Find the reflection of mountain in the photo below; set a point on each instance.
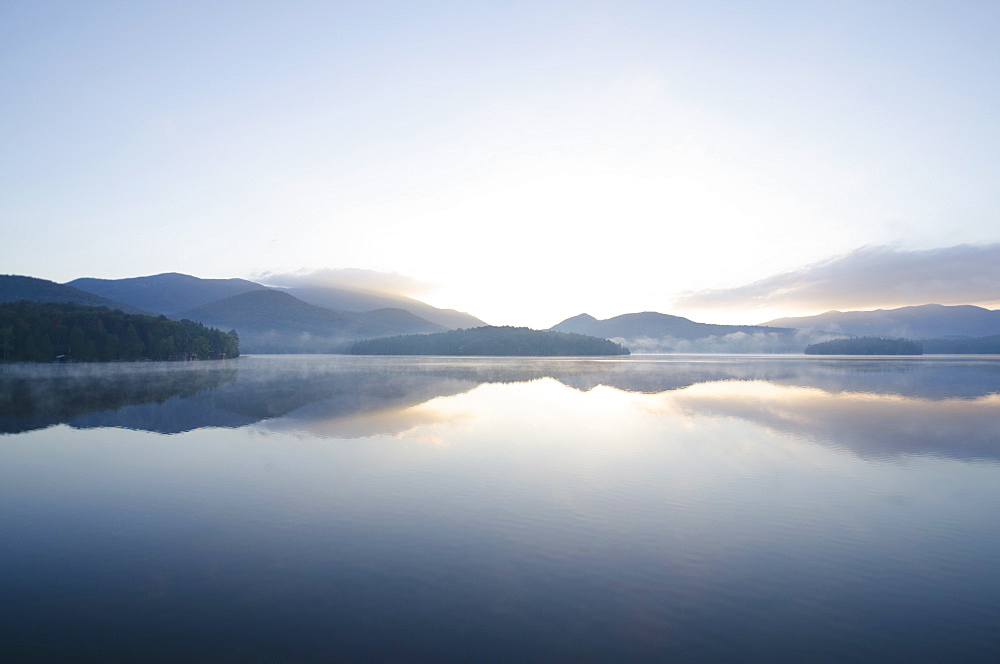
(322, 394)
(290, 393)
(924, 378)
(397, 417)
(39, 396)
(175, 415)
(869, 425)
(345, 396)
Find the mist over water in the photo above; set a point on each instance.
(791, 341)
(309, 508)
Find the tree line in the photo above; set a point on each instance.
(46, 332)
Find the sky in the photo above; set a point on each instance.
(522, 161)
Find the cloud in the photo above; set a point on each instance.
(870, 277)
(350, 278)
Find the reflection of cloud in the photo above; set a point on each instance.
(925, 377)
(871, 277)
(396, 422)
(870, 425)
(349, 278)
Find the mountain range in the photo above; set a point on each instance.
(652, 332)
(328, 319)
(928, 321)
(16, 287)
(165, 293)
(945, 329)
(653, 324)
(344, 299)
(272, 321)
(172, 293)
(267, 319)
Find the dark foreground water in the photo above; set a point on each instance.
(693, 509)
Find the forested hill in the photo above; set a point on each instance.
(44, 332)
(491, 341)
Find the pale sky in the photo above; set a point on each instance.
(522, 161)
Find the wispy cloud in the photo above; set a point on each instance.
(870, 277)
(350, 278)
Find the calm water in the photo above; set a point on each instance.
(695, 509)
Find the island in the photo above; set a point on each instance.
(865, 346)
(491, 340)
(61, 331)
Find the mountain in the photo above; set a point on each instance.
(14, 288)
(166, 293)
(928, 321)
(652, 332)
(272, 321)
(342, 299)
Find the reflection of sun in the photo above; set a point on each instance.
(401, 423)
(431, 419)
(428, 439)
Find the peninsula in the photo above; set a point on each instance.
(491, 341)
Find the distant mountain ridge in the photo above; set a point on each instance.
(342, 299)
(171, 293)
(927, 321)
(653, 332)
(272, 321)
(651, 324)
(166, 293)
(327, 319)
(944, 329)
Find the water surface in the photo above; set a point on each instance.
(701, 508)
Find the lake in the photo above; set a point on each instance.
(647, 508)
